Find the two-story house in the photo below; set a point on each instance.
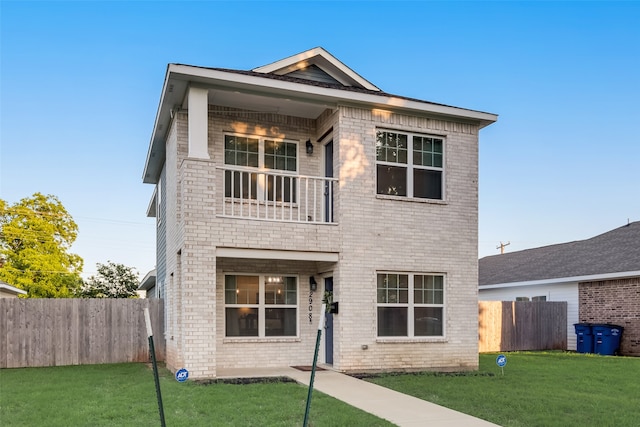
(299, 181)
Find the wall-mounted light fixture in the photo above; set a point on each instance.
(309, 147)
(313, 285)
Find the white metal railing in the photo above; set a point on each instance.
(276, 196)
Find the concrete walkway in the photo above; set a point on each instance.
(398, 408)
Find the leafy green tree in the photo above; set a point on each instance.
(36, 235)
(112, 281)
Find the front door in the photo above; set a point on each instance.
(328, 326)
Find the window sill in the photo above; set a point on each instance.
(244, 340)
(412, 340)
(412, 199)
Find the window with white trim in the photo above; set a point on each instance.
(409, 165)
(261, 306)
(410, 305)
(257, 153)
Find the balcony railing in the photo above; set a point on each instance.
(277, 196)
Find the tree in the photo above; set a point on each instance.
(36, 235)
(112, 281)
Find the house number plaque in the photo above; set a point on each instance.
(310, 306)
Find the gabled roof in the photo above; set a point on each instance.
(615, 253)
(315, 61)
(303, 85)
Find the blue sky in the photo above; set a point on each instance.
(80, 84)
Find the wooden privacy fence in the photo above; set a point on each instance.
(522, 325)
(55, 332)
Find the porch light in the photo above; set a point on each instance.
(313, 285)
(274, 280)
(309, 147)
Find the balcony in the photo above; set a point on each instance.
(277, 196)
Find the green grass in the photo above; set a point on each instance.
(124, 395)
(537, 389)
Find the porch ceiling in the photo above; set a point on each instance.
(262, 103)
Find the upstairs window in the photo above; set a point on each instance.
(409, 165)
(253, 153)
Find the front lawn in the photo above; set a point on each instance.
(537, 389)
(124, 395)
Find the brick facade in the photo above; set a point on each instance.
(614, 302)
(373, 233)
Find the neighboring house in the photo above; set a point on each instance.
(148, 287)
(300, 181)
(8, 291)
(599, 278)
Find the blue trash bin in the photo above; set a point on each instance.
(606, 339)
(584, 338)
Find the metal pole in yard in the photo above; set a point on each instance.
(315, 361)
(152, 350)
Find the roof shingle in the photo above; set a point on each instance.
(615, 251)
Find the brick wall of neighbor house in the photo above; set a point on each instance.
(614, 302)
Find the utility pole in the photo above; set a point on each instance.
(501, 246)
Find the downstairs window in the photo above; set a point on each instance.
(410, 305)
(261, 306)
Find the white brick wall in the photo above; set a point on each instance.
(373, 233)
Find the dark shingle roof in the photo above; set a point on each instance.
(615, 251)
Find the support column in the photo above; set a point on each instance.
(198, 123)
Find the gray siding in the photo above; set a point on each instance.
(313, 73)
(161, 238)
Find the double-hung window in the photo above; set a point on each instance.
(409, 165)
(260, 306)
(254, 154)
(410, 305)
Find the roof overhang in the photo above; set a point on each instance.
(269, 95)
(8, 289)
(560, 280)
(149, 281)
(151, 209)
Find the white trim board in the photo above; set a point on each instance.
(554, 280)
(276, 254)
